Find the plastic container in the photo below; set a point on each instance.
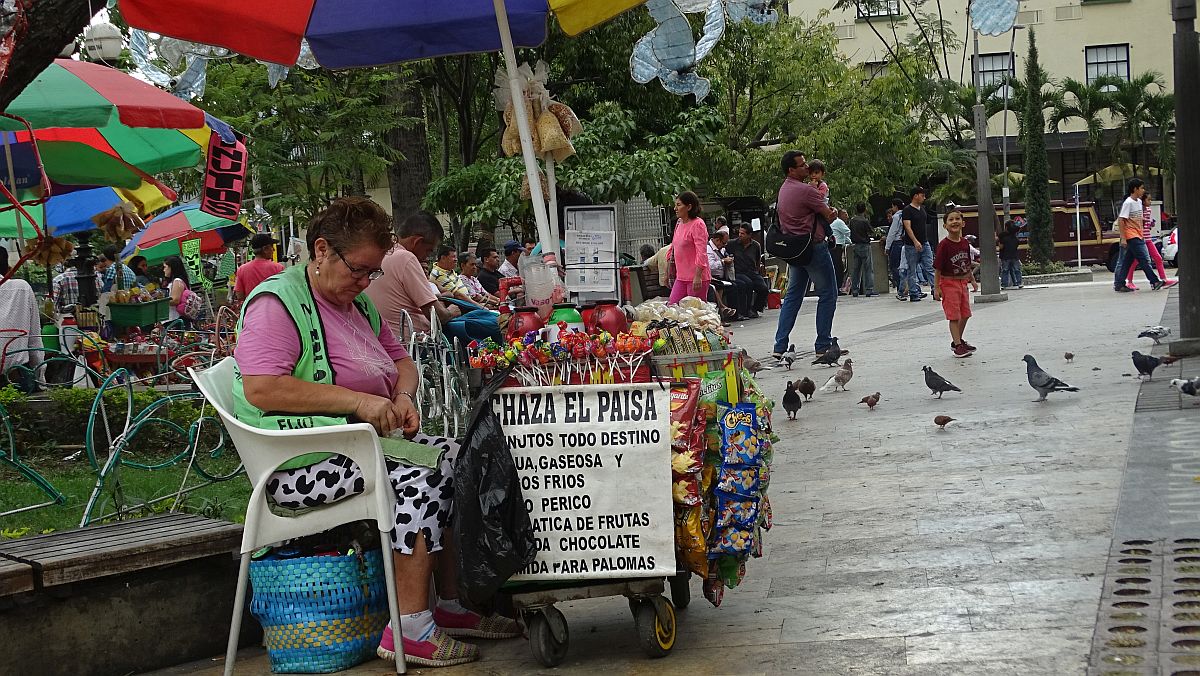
(139, 314)
(564, 312)
(696, 365)
(610, 317)
(524, 320)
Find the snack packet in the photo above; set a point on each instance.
(736, 510)
(687, 455)
(740, 443)
(739, 480)
(713, 391)
(690, 541)
(731, 540)
(686, 489)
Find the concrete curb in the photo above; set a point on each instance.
(1057, 278)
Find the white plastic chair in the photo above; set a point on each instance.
(262, 451)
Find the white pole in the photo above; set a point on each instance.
(548, 240)
(1078, 232)
(552, 184)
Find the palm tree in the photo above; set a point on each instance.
(1160, 113)
(1091, 104)
(1130, 106)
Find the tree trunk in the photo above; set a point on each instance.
(408, 177)
(52, 25)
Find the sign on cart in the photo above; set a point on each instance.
(595, 470)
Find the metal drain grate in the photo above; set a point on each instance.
(1150, 609)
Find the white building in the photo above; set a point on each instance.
(1080, 39)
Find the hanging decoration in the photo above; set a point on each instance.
(190, 250)
(993, 17)
(552, 123)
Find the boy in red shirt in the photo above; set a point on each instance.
(953, 269)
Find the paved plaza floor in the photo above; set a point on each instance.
(994, 546)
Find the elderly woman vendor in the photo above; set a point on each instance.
(313, 351)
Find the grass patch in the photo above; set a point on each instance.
(76, 479)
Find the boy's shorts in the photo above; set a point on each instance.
(956, 300)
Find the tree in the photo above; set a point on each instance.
(52, 25)
(316, 136)
(1037, 166)
(1089, 103)
(409, 174)
(1131, 103)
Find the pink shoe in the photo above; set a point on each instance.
(1131, 286)
(475, 625)
(439, 650)
(1168, 283)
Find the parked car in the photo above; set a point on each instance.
(1097, 243)
(1170, 248)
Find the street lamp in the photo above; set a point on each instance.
(1004, 147)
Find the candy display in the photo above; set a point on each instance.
(574, 358)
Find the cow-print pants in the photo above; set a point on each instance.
(424, 497)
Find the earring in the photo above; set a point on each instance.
(317, 272)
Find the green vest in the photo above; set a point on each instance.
(292, 288)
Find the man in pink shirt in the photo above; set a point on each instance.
(798, 206)
(404, 285)
(251, 273)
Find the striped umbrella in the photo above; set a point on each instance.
(162, 235)
(71, 212)
(354, 33)
(81, 94)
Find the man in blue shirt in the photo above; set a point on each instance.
(109, 264)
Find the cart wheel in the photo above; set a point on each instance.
(548, 636)
(681, 591)
(655, 620)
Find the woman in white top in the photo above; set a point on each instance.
(175, 271)
(20, 330)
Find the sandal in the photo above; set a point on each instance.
(439, 650)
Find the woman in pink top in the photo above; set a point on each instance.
(689, 250)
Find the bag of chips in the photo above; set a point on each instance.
(740, 443)
(732, 541)
(685, 490)
(690, 543)
(739, 480)
(687, 455)
(736, 510)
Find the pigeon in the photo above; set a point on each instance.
(1155, 333)
(937, 384)
(1190, 387)
(1069, 356)
(840, 378)
(870, 400)
(1043, 382)
(1145, 363)
(833, 355)
(788, 357)
(806, 387)
(791, 401)
(752, 365)
(943, 420)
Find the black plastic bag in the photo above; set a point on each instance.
(492, 530)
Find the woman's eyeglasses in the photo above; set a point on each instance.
(356, 272)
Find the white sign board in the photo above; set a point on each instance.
(595, 469)
(589, 260)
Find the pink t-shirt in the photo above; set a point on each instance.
(251, 273)
(403, 286)
(269, 345)
(689, 248)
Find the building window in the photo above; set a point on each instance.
(1107, 60)
(992, 69)
(1029, 17)
(1068, 12)
(874, 69)
(869, 9)
(844, 31)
